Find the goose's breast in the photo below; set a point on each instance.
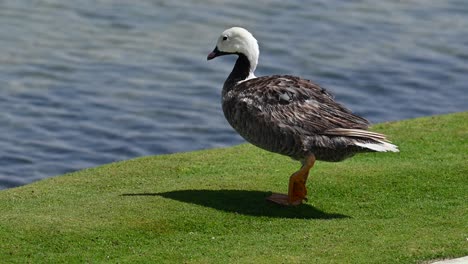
(254, 123)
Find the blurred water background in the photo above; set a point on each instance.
(88, 82)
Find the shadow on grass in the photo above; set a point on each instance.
(243, 202)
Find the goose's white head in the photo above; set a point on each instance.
(237, 40)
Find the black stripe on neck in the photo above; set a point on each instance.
(240, 71)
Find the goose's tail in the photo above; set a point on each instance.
(365, 139)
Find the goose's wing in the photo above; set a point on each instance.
(294, 103)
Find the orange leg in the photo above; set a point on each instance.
(297, 191)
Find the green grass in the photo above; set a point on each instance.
(208, 206)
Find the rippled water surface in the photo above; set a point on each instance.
(83, 83)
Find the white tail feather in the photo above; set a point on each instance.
(381, 144)
(380, 147)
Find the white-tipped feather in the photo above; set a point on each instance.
(379, 147)
(382, 144)
(356, 133)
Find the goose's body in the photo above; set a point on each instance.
(289, 115)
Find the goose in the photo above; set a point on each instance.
(289, 115)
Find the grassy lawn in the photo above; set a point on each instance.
(208, 206)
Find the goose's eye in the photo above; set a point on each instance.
(225, 38)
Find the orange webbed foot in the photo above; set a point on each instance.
(283, 199)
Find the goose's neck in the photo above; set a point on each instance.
(242, 71)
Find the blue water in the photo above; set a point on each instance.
(84, 83)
